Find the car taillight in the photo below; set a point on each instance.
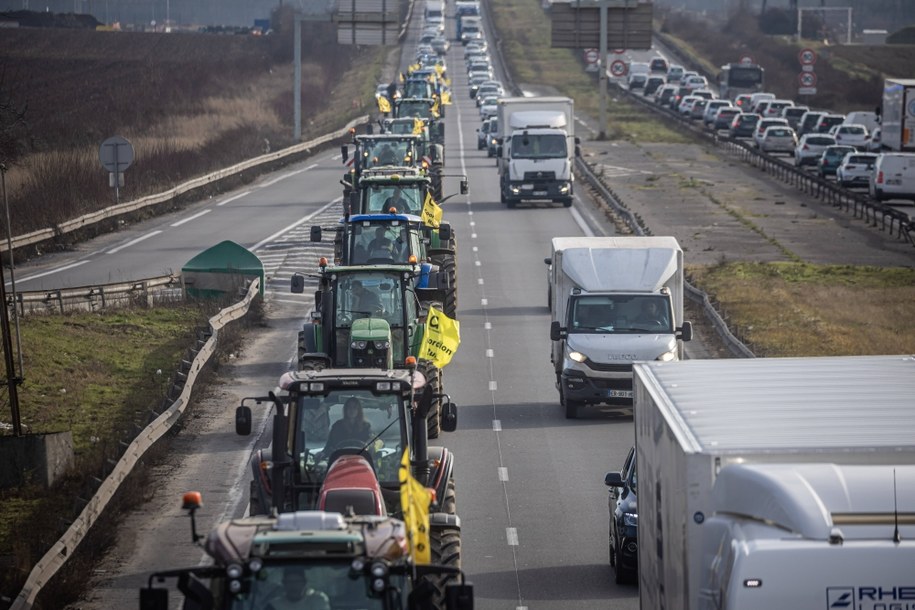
(880, 177)
(806, 147)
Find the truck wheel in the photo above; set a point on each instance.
(571, 406)
(511, 204)
(446, 551)
(567, 202)
(433, 376)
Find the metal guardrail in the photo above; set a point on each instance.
(58, 554)
(611, 200)
(148, 292)
(69, 226)
(879, 215)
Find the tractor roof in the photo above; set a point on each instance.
(381, 218)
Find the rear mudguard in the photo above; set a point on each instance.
(443, 463)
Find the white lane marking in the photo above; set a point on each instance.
(489, 353)
(480, 281)
(283, 300)
(512, 534)
(133, 242)
(475, 249)
(273, 181)
(190, 218)
(473, 224)
(473, 236)
(470, 212)
(580, 221)
(51, 272)
(492, 386)
(477, 263)
(294, 225)
(497, 425)
(484, 302)
(239, 196)
(503, 473)
(487, 326)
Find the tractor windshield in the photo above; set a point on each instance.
(382, 197)
(620, 314)
(349, 419)
(299, 583)
(374, 243)
(369, 295)
(421, 109)
(385, 153)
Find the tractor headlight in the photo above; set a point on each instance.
(382, 344)
(360, 345)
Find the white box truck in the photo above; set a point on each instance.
(776, 483)
(614, 300)
(897, 121)
(536, 150)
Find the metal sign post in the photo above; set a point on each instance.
(602, 72)
(116, 155)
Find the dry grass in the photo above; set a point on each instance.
(796, 309)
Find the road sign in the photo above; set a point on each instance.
(591, 56)
(628, 25)
(807, 57)
(619, 51)
(747, 60)
(806, 90)
(807, 79)
(115, 154)
(619, 68)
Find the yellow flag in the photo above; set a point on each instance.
(439, 68)
(432, 212)
(435, 111)
(414, 501)
(441, 338)
(384, 105)
(446, 98)
(418, 126)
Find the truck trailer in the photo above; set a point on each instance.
(537, 142)
(600, 290)
(898, 115)
(776, 483)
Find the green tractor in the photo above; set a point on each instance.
(426, 108)
(338, 440)
(367, 316)
(319, 559)
(387, 150)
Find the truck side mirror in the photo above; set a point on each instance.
(465, 186)
(686, 331)
(459, 597)
(370, 129)
(315, 233)
(297, 284)
(556, 331)
(548, 260)
(449, 417)
(156, 599)
(243, 421)
(613, 479)
(444, 232)
(344, 152)
(578, 151)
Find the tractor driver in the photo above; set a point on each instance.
(365, 302)
(296, 594)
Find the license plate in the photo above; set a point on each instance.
(540, 193)
(527, 187)
(619, 393)
(894, 181)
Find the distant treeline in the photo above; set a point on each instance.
(33, 19)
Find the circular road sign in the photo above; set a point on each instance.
(116, 154)
(807, 57)
(747, 60)
(591, 56)
(807, 79)
(618, 68)
(619, 51)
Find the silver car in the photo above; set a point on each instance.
(778, 138)
(810, 148)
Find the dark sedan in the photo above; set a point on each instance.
(624, 521)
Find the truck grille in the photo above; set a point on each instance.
(609, 368)
(534, 176)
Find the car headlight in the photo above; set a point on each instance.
(577, 356)
(631, 519)
(668, 356)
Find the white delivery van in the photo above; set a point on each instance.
(893, 177)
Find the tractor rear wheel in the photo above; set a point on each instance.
(449, 294)
(433, 376)
(448, 505)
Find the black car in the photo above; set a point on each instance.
(624, 521)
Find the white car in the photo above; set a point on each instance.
(778, 138)
(851, 135)
(764, 124)
(712, 108)
(810, 148)
(856, 169)
(696, 82)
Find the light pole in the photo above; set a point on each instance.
(12, 379)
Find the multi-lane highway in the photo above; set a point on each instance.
(530, 487)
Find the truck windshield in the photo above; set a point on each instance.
(539, 146)
(620, 314)
(300, 584)
(348, 419)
